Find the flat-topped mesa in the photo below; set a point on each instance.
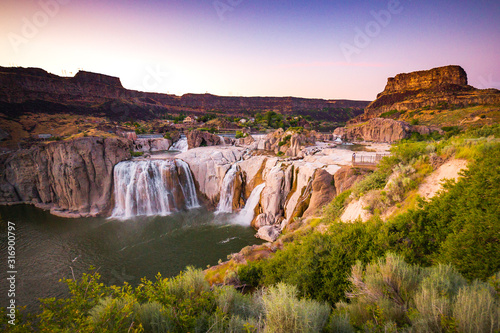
(95, 78)
(441, 77)
(429, 88)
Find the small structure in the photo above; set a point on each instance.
(367, 160)
(44, 136)
(188, 120)
(149, 136)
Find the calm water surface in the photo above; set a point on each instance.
(47, 246)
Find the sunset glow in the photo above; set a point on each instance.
(322, 49)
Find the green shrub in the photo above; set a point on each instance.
(477, 309)
(285, 140)
(136, 153)
(284, 312)
(391, 295)
(334, 209)
(374, 181)
(240, 134)
(155, 318)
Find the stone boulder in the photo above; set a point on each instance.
(269, 233)
(202, 139)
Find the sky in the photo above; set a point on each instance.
(314, 49)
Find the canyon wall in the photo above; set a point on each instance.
(72, 178)
(292, 188)
(34, 90)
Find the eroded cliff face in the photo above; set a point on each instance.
(294, 188)
(34, 90)
(72, 178)
(428, 88)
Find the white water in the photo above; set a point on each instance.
(188, 188)
(246, 215)
(181, 145)
(227, 191)
(152, 188)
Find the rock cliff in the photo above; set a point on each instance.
(25, 90)
(70, 177)
(293, 188)
(428, 88)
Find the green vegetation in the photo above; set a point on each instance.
(136, 153)
(285, 140)
(240, 135)
(433, 268)
(391, 295)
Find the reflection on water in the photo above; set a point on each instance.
(47, 246)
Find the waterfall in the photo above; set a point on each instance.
(222, 140)
(181, 145)
(227, 191)
(245, 216)
(152, 187)
(188, 188)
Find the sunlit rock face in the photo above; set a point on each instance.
(74, 176)
(411, 91)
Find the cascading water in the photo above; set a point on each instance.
(181, 145)
(187, 185)
(152, 187)
(245, 216)
(227, 191)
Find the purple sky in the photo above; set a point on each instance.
(325, 49)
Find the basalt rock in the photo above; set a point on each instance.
(431, 88)
(25, 90)
(74, 176)
(290, 143)
(375, 130)
(382, 130)
(202, 139)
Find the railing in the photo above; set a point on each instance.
(367, 160)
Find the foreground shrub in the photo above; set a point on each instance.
(391, 295)
(285, 313)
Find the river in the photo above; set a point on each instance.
(47, 247)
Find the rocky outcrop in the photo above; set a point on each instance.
(152, 145)
(382, 130)
(73, 178)
(346, 177)
(202, 139)
(209, 166)
(375, 130)
(289, 143)
(436, 78)
(323, 192)
(431, 88)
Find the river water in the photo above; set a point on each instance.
(47, 247)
